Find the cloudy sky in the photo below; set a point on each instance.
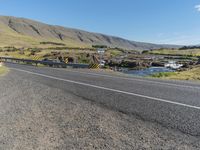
(157, 21)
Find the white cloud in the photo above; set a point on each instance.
(197, 7)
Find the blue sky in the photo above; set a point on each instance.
(157, 21)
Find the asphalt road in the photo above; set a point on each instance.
(35, 115)
(172, 104)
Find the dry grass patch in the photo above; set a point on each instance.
(3, 70)
(191, 74)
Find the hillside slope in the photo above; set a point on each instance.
(24, 32)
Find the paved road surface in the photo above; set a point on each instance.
(173, 105)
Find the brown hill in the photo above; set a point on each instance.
(25, 32)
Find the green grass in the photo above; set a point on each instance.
(190, 74)
(188, 52)
(115, 52)
(3, 70)
(163, 74)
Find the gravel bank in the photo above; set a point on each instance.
(34, 116)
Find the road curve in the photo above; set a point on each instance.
(173, 104)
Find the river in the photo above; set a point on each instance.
(149, 71)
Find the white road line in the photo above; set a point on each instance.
(109, 89)
(133, 79)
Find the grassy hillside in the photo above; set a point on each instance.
(10, 38)
(28, 33)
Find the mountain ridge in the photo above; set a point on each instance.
(32, 32)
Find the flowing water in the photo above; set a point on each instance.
(149, 71)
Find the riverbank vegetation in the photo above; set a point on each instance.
(164, 74)
(190, 74)
(176, 52)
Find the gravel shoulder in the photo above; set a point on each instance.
(35, 116)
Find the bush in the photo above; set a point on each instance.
(10, 49)
(145, 52)
(163, 74)
(99, 46)
(34, 51)
(53, 43)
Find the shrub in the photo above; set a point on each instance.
(34, 51)
(53, 43)
(163, 74)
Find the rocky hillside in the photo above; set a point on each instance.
(24, 32)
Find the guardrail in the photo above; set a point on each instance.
(45, 63)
